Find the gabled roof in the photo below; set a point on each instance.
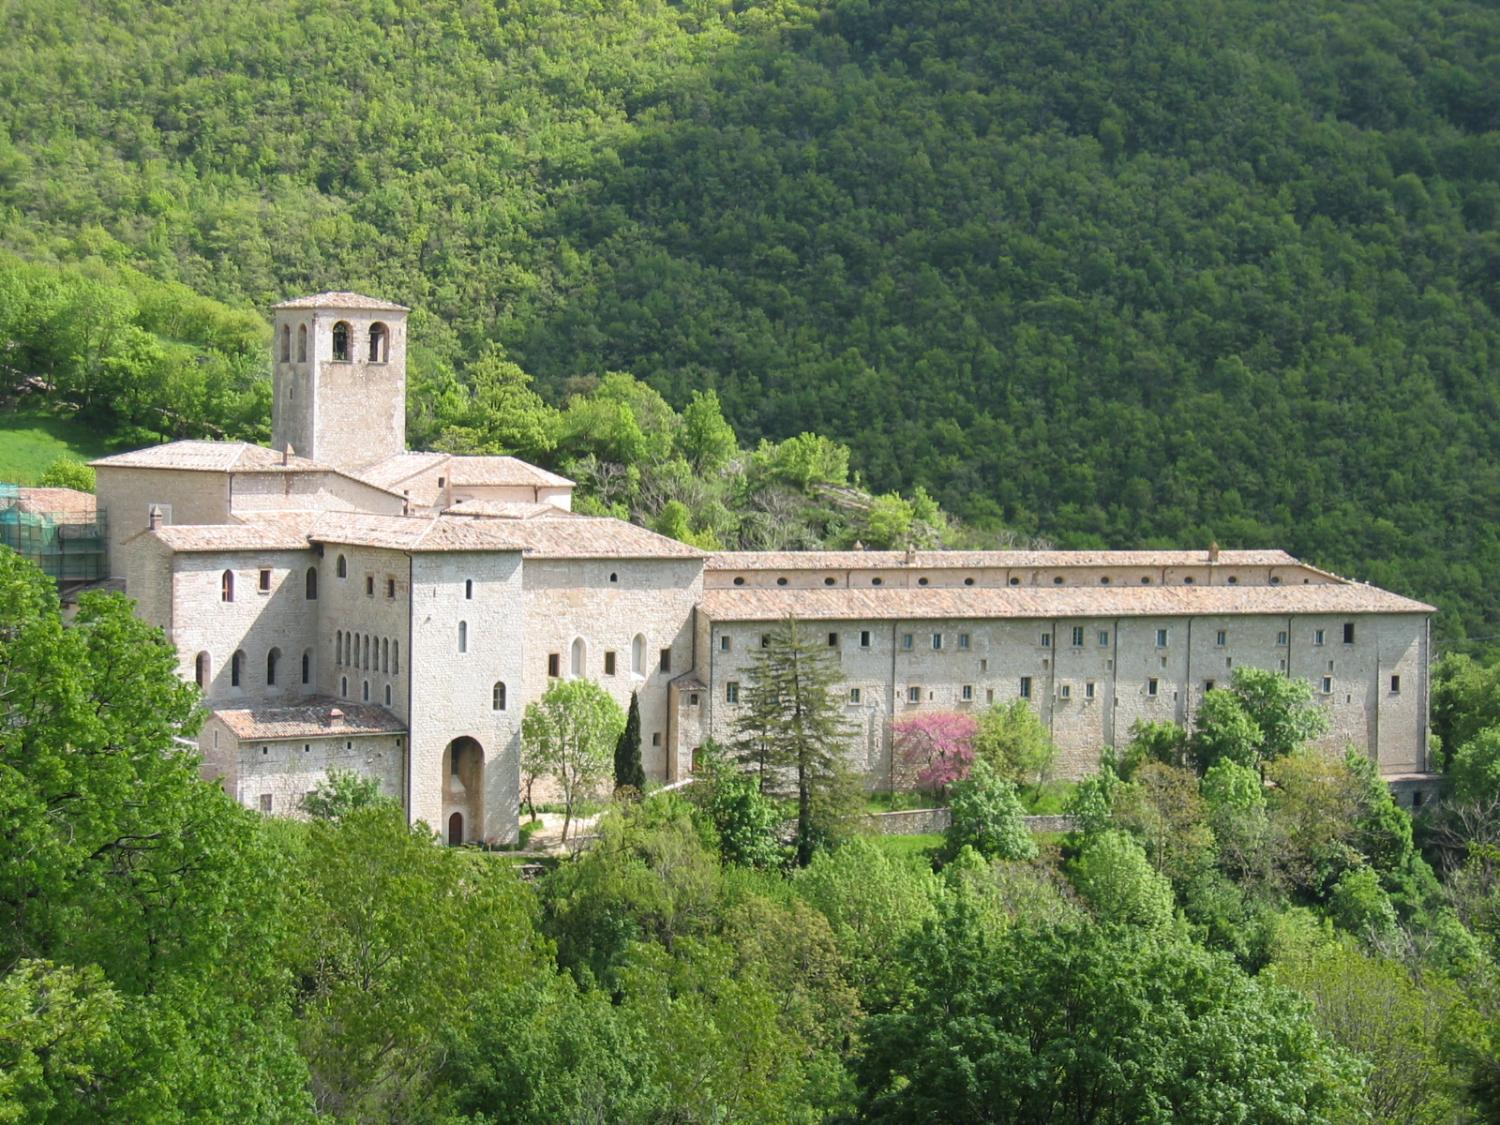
(340, 299)
(211, 456)
(390, 471)
(1046, 603)
(269, 531)
(314, 717)
(54, 501)
(502, 471)
(878, 560)
(558, 535)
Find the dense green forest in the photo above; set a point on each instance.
(1202, 948)
(1110, 273)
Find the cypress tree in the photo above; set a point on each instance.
(792, 733)
(628, 768)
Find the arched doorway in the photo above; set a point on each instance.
(463, 790)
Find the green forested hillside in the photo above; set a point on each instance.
(1113, 273)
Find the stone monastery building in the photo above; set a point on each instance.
(345, 603)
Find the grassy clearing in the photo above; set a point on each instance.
(31, 440)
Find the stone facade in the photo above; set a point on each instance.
(348, 604)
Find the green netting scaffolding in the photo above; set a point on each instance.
(71, 546)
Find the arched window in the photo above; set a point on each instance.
(273, 658)
(343, 687)
(201, 670)
(301, 343)
(226, 586)
(286, 343)
(379, 341)
(338, 649)
(385, 656)
(236, 668)
(396, 659)
(341, 342)
(387, 695)
(463, 636)
(312, 583)
(366, 664)
(364, 691)
(638, 655)
(468, 589)
(497, 697)
(307, 667)
(580, 656)
(341, 568)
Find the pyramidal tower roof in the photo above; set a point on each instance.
(340, 299)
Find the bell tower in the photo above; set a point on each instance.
(339, 375)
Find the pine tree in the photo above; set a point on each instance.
(628, 769)
(792, 733)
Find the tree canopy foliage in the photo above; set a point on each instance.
(1125, 274)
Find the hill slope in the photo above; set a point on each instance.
(1114, 273)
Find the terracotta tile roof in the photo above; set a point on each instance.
(390, 471)
(359, 529)
(271, 531)
(56, 501)
(754, 604)
(585, 537)
(340, 299)
(507, 510)
(210, 456)
(875, 560)
(501, 471)
(314, 717)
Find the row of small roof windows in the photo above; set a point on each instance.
(1078, 636)
(1057, 580)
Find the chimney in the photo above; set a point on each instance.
(154, 519)
(911, 555)
(286, 454)
(335, 716)
(1213, 552)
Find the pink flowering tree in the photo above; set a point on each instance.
(935, 747)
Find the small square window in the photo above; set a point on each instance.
(265, 802)
(1025, 687)
(1065, 691)
(1077, 636)
(833, 640)
(1152, 686)
(1103, 638)
(732, 692)
(1281, 639)
(989, 695)
(390, 587)
(369, 585)
(265, 579)
(864, 638)
(609, 664)
(1317, 636)
(907, 641)
(666, 660)
(1348, 632)
(1161, 638)
(765, 640)
(725, 644)
(1221, 638)
(937, 642)
(1327, 685)
(1046, 640)
(966, 693)
(1208, 686)
(1395, 685)
(1088, 689)
(656, 738)
(693, 699)
(914, 695)
(854, 695)
(554, 664)
(963, 642)
(984, 664)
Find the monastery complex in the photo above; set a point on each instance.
(345, 603)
